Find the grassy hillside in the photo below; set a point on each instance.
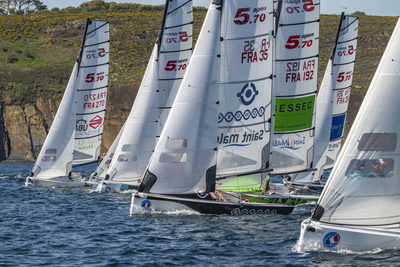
(37, 51)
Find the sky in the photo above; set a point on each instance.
(370, 7)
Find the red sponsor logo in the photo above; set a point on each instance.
(95, 122)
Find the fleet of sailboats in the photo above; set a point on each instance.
(76, 133)
(207, 136)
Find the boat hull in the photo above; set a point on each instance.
(60, 181)
(329, 237)
(147, 202)
(110, 187)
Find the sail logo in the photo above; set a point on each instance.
(248, 94)
(242, 139)
(146, 204)
(239, 115)
(95, 122)
(331, 239)
(293, 144)
(81, 125)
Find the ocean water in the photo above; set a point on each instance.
(80, 227)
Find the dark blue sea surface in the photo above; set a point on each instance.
(80, 227)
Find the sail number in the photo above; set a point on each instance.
(94, 77)
(183, 37)
(344, 76)
(101, 52)
(173, 65)
(294, 42)
(346, 51)
(250, 54)
(307, 7)
(243, 17)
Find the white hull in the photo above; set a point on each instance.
(60, 181)
(322, 236)
(113, 187)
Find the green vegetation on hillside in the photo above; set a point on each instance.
(37, 51)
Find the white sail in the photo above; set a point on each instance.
(342, 74)
(55, 157)
(332, 101)
(101, 170)
(157, 91)
(294, 86)
(245, 86)
(185, 156)
(364, 187)
(92, 85)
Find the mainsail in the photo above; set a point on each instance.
(156, 94)
(245, 86)
(185, 156)
(294, 86)
(332, 100)
(92, 85)
(364, 187)
(75, 134)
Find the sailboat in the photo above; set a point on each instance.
(332, 102)
(288, 146)
(181, 174)
(359, 206)
(167, 65)
(76, 132)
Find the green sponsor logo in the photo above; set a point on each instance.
(294, 114)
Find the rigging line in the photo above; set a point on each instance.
(83, 164)
(342, 88)
(91, 66)
(97, 28)
(180, 25)
(91, 113)
(98, 44)
(179, 7)
(81, 138)
(311, 93)
(243, 125)
(300, 23)
(349, 24)
(293, 59)
(175, 51)
(93, 89)
(334, 65)
(246, 37)
(244, 173)
(348, 40)
(292, 132)
(247, 81)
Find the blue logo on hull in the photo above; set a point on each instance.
(146, 204)
(331, 239)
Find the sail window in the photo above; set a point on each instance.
(49, 158)
(128, 148)
(378, 142)
(51, 151)
(180, 143)
(173, 157)
(369, 168)
(127, 157)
